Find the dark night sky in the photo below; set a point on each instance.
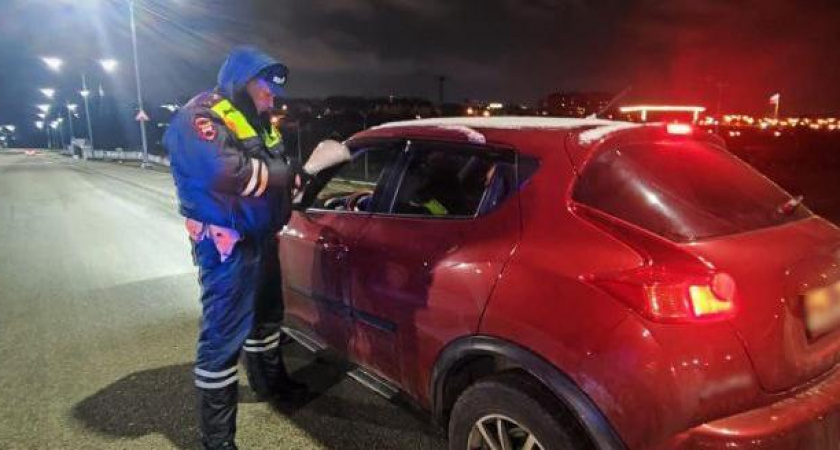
(669, 51)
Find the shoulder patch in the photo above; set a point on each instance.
(205, 128)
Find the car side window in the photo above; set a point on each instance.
(452, 181)
(353, 185)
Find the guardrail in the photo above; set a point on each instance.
(117, 155)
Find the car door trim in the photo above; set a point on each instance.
(340, 309)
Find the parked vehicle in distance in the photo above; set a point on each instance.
(541, 283)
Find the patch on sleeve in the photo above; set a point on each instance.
(205, 128)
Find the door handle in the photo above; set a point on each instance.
(332, 245)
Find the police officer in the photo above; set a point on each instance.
(234, 186)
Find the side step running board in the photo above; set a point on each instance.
(309, 343)
(374, 382)
(366, 378)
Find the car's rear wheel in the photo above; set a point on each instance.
(510, 412)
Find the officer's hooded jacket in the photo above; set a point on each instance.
(223, 176)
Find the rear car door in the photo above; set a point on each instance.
(316, 243)
(424, 268)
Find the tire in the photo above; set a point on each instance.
(525, 408)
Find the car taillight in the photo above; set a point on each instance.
(664, 296)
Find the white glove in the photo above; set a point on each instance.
(327, 154)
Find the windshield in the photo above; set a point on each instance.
(683, 191)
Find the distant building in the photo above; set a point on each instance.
(574, 104)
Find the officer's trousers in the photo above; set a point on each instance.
(242, 309)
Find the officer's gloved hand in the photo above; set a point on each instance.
(302, 178)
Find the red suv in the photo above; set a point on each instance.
(542, 283)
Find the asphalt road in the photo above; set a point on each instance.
(98, 320)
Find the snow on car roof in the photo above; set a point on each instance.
(467, 125)
(595, 134)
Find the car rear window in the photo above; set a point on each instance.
(684, 191)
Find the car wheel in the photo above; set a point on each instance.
(510, 412)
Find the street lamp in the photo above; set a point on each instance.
(71, 108)
(11, 128)
(39, 124)
(139, 87)
(53, 63)
(60, 121)
(45, 108)
(85, 94)
(48, 92)
(109, 64)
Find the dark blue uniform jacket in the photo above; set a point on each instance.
(220, 179)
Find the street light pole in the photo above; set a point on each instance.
(70, 122)
(85, 94)
(139, 87)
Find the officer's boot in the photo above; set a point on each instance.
(283, 386)
(269, 378)
(217, 417)
(257, 378)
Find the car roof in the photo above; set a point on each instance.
(499, 130)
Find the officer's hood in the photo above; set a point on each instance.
(241, 65)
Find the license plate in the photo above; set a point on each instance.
(822, 310)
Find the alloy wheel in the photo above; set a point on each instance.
(497, 432)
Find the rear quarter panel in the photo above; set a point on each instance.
(651, 381)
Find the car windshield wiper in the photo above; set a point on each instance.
(787, 208)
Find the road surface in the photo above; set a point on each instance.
(98, 320)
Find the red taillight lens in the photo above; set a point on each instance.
(669, 297)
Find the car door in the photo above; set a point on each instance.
(423, 269)
(316, 243)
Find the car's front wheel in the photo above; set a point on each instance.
(509, 412)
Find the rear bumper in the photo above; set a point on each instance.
(807, 420)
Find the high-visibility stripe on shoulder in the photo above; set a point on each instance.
(233, 119)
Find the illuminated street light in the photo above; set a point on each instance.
(44, 108)
(71, 109)
(109, 65)
(53, 63)
(133, 27)
(39, 124)
(48, 92)
(42, 115)
(54, 125)
(11, 128)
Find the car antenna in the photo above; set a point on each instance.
(612, 102)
